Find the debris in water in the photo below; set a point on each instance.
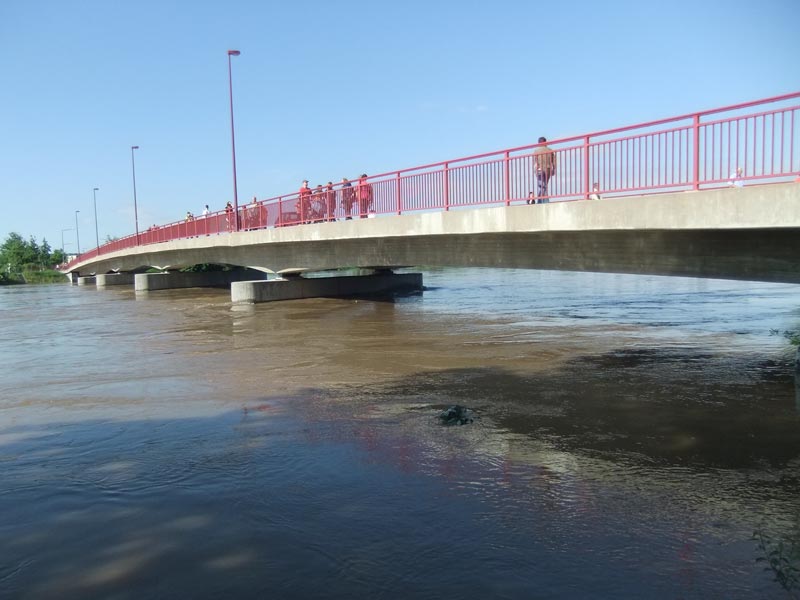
(456, 415)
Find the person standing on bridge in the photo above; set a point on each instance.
(330, 202)
(304, 201)
(229, 215)
(364, 195)
(318, 204)
(544, 161)
(348, 197)
(253, 217)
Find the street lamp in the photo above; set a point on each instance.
(77, 233)
(135, 208)
(62, 240)
(233, 140)
(96, 234)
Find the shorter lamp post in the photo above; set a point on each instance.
(135, 209)
(96, 234)
(77, 233)
(62, 240)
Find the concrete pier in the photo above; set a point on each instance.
(293, 288)
(114, 279)
(147, 282)
(87, 280)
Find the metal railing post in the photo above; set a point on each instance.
(446, 186)
(586, 183)
(399, 201)
(506, 179)
(696, 158)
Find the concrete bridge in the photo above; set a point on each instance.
(712, 194)
(750, 233)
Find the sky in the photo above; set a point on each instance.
(326, 89)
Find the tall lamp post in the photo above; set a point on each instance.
(96, 234)
(77, 233)
(135, 208)
(233, 140)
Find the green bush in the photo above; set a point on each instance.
(47, 276)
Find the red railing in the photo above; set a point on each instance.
(689, 152)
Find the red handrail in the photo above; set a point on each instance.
(637, 159)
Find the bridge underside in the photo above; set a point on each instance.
(726, 254)
(749, 234)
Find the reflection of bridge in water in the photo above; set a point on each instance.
(678, 197)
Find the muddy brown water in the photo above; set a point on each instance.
(632, 434)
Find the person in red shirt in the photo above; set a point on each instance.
(330, 202)
(304, 202)
(317, 205)
(364, 195)
(348, 197)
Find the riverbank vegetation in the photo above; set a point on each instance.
(781, 556)
(28, 261)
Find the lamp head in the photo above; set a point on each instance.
(95, 189)
(233, 53)
(134, 147)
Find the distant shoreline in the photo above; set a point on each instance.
(47, 276)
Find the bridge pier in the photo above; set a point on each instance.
(114, 279)
(293, 288)
(87, 280)
(147, 282)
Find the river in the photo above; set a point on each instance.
(631, 434)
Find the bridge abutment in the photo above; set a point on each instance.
(148, 282)
(294, 288)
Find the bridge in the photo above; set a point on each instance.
(709, 194)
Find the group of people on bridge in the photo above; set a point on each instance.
(319, 204)
(313, 205)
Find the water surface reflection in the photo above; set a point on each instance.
(632, 434)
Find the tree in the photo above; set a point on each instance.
(13, 253)
(58, 257)
(16, 254)
(45, 254)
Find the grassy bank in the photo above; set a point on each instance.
(11, 278)
(46, 276)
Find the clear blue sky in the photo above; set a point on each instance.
(327, 89)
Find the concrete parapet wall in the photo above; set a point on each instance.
(147, 282)
(299, 287)
(114, 279)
